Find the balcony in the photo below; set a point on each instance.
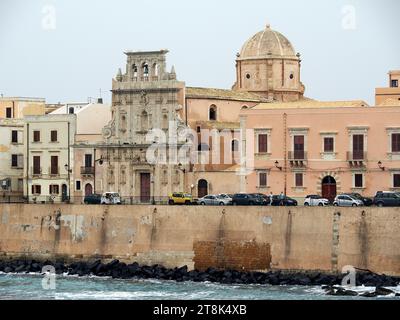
(87, 171)
(297, 158)
(356, 158)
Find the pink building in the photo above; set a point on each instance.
(327, 148)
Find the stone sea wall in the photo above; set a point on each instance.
(237, 238)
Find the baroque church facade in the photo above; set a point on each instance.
(145, 96)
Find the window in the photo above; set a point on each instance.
(358, 147)
(54, 165)
(396, 142)
(358, 180)
(135, 70)
(248, 76)
(88, 160)
(145, 69)
(78, 185)
(394, 83)
(299, 180)
(8, 113)
(14, 160)
(36, 136)
(298, 145)
(396, 180)
(36, 165)
(291, 76)
(262, 143)
(329, 144)
(14, 136)
(53, 136)
(262, 179)
(71, 110)
(213, 113)
(54, 189)
(198, 129)
(36, 189)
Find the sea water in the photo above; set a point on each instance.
(30, 287)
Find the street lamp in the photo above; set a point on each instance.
(277, 165)
(380, 165)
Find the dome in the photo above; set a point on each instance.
(267, 44)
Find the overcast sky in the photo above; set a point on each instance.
(67, 50)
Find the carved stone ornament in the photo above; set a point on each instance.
(144, 99)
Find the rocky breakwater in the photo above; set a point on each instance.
(119, 270)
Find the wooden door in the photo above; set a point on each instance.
(145, 187)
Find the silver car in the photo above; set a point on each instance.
(346, 200)
(214, 200)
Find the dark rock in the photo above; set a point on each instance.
(368, 295)
(93, 266)
(20, 268)
(8, 269)
(380, 291)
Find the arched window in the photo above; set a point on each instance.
(155, 70)
(134, 70)
(145, 69)
(213, 113)
(202, 188)
(235, 145)
(245, 107)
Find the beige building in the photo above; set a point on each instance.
(18, 107)
(389, 96)
(11, 159)
(49, 158)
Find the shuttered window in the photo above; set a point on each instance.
(262, 143)
(396, 142)
(263, 179)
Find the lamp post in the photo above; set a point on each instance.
(69, 171)
(180, 167)
(100, 161)
(380, 165)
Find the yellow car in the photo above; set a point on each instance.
(180, 198)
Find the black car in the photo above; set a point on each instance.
(367, 201)
(92, 199)
(286, 201)
(244, 199)
(387, 199)
(265, 200)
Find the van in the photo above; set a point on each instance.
(110, 198)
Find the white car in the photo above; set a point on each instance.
(315, 200)
(214, 200)
(346, 200)
(110, 198)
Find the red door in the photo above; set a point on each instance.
(329, 189)
(145, 187)
(88, 189)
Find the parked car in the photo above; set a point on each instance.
(244, 199)
(214, 200)
(110, 198)
(264, 198)
(286, 201)
(387, 199)
(367, 201)
(180, 198)
(346, 200)
(92, 199)
(315, 200)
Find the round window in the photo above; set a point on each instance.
(248, 76)
(291, 76)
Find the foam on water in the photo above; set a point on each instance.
(29, 286)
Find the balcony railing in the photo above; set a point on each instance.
(299, 155)
(356, 156)
(87, 170)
